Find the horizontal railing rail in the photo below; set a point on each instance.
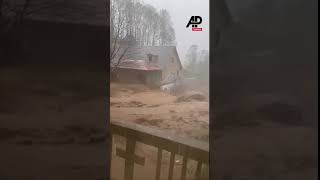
(185, 147)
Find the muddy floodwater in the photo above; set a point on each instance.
(185, 117)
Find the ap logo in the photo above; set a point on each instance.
(195, 21)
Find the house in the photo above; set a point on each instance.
(139, 71)
(162, 61)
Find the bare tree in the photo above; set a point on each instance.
(16, 11)
(167, 34)
(12, 14)
(118, 27)
(192, 57)
(134, 24)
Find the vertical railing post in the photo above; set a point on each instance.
(130, 157)
(184, 167)
(198, 171)
(159, 159)
(129, 163)
(190, 150)
(171, 165)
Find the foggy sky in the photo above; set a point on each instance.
(181, 11)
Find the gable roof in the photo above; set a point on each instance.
(92, 12)
(164, 54)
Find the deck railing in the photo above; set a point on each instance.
(187, 148)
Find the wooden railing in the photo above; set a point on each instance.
(187, 148)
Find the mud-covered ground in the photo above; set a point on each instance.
(183, 115)
(248, 144)
(52, 123)
(160, 110)
(52, 126)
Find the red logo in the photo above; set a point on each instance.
(195, 21)
(196, 29)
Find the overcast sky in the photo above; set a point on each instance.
(181, 11)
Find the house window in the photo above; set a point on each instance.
(150, 57)
(156, 58)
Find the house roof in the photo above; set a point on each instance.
(138, 65)
(92, 12)
(164, 54)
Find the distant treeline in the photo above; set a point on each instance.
(140, 22)
(197, 63)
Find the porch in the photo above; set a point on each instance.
(140, 152)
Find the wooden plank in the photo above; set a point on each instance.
(197, 150)
(129, 157)
(157, 134)
(184, 168)
(189, 149)
(159, 159)
(198, 170)
(129, 164)
(171, 166)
